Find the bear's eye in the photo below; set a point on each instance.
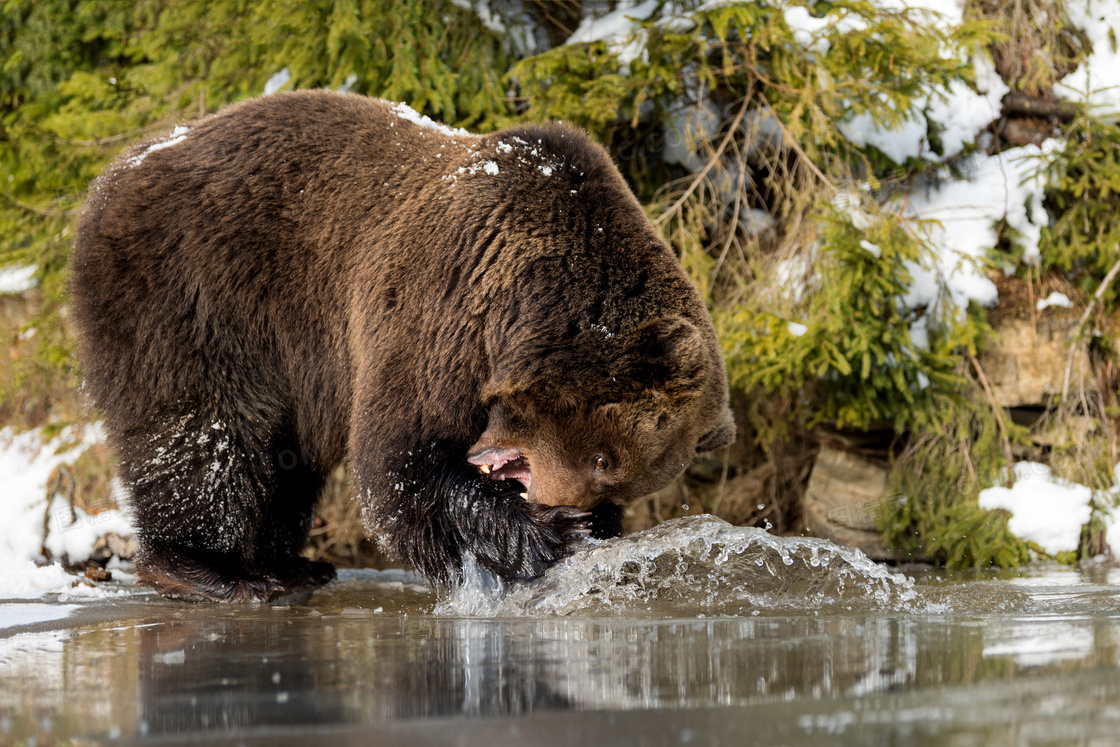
(600, 463)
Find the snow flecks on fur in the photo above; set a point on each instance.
(178, 135)
(487, 167)
(195, 464)
(523, 153)
(406, 112)
(607, 334)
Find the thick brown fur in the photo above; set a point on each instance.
(308, 278)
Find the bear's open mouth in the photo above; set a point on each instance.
(504, 464)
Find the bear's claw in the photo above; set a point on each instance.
(218, 579)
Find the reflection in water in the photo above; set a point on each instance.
(217, 668)
(200, 675)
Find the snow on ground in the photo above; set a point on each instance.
(1044, 509)
(17, 279)
(1100, 73)
(277, 81)
(25, 467)
(1055, 298)
(620, 29)
(516, 28)
(14, 614)
(960, 114)
(966, 211)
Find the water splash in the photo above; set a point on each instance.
(688, 567)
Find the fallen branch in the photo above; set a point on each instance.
(1021, 105)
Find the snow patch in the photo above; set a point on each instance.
(966, 211)
(18, 279)
(620, 29)
(919, 333)
(348, 84)
(26, 464)
(13, 615)
(277, 81)
(22, 579)
(518, 32)
(959, 113)
(1044, 509)
(808, 30)
(1055, 298)
(686, 128)
(1099, 75)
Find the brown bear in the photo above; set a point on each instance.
(487, 329)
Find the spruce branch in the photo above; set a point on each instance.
(676, 206)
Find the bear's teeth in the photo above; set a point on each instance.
(524, 495)
(484, 469)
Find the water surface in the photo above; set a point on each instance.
(677, 637)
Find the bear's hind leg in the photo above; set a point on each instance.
(215, 517)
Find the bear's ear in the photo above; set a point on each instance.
(669, 354)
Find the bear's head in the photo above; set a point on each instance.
(590, 422)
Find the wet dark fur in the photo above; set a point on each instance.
(308, 278)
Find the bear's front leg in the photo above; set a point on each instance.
(431, 508)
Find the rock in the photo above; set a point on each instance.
(1065, 434)
(747, 497)
(97, 573)
(112, 544)
(843, 497)
(1027, 364)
